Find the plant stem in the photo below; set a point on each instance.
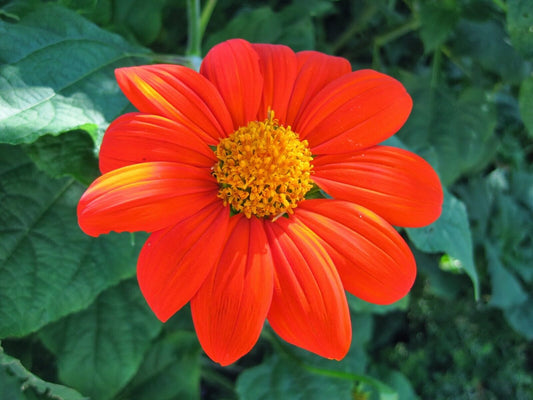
(195, 32)
(206, 14)
(355, 27)
(411, 25)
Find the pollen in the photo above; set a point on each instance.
(264, 169)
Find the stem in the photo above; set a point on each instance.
(401, 30)
(195, 33)
(355, 27)
(206, 14)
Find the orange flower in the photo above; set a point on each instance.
(217, 166)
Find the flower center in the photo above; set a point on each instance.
(263, 169)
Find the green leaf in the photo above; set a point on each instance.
(521, 318)
(526, 103)
(98, 11)
(507, 292)
(486, 44)
(279, 378)
(48, 267)
(298, 28)
(143, 18)
(520, 25)
(437, 21)
(16, 383)
(460, 131)
(170, 370)
(450, 234)
(69, 154)
(56, 74)
(101, 348)
(259, 26)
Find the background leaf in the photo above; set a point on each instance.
(99, 349)
(526, 104)
(450, 234)
(56, 74)
(48, 266)
(170, 370)
(519, 23)
(69, 154)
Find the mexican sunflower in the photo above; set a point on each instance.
(223, 168)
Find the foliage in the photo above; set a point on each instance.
(73, 323)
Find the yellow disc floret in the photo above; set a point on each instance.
(263, 169)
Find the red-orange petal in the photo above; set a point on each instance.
(309, 307)
(279, 67)
(356, 111)
(396, 184)
(145, 197)
(174, 262)
(230, 308)
(178, 93)
(135, 138)
(233, 67)
(373, 261)
(315, 71)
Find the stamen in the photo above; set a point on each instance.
(264, 169)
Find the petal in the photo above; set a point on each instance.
(230, 308)
(279, 67)
(178, 93)
(309, 307)
(373, 261)
(315, 70)
(356, 111)
(233, 67)
(174, 262)
(396, 184)
(145, 197)
(135, 138)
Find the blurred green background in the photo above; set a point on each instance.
(73, 324)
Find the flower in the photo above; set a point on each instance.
(217, 166)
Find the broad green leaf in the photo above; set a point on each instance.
(479, 199)
(520, 25)
(170, 370)
(48, 267)
(143, 18)
(526, 103)
(101, 348)
(486, 44)
(69, 154)
(507, 292)
(98, 11)
(450, 234)
(260, 25)
(17, 383)
(298, 28)
(280, 378)
(56, 74)
(437, 21)
(511, 230)
(459, 130)
(521, 318)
